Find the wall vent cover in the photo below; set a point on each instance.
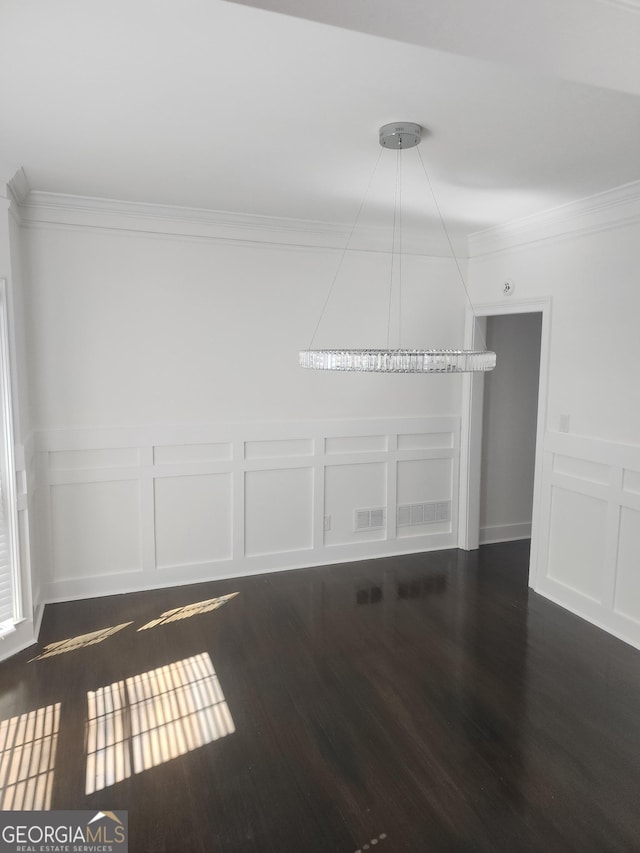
(369, 519)
(410, 515)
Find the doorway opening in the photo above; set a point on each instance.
(503, 428)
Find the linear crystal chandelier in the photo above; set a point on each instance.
(399, 136)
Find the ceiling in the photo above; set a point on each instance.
(225, 106)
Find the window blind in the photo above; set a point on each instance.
(6, 585)
(10, 605)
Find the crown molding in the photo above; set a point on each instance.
(44, 208)
(19, 187)
(600, 212)
(57, 209)
(15, 191)
(605, 210)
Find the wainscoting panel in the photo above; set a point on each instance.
(192, 519)
(356, 444)
(177, 454)
(589, 538)
(278, 511)
(425, 441)
(631, 482)
(96, 528)
(627, 598)
(425, 481)
(577, 541)
(275, 449)
(350, 491)
(107, 457)
(127, 509)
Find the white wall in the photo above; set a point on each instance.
(177, 436)
(589, 495)
(130, 329)
(509, 427)
(593, 281)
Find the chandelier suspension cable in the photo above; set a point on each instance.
(476, 326)
(399, 135)
(393, 249)
(400, 249)
(344, 251)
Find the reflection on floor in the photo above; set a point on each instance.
(421, 704)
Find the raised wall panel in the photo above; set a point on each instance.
(425, 441)
(589, 531)
(349, 488)
(577, 541)
(95, 529)
(106, 457)
(275, 448)
(177, 454)
(192, 519)
(356, 444)
(581, 469)
(627, 601)
(631, 482)
(424, 481)
(278, 510)
(175, 504)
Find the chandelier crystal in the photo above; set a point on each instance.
(399, 360)
(399, 135)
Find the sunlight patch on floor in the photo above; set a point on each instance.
(189, 610)
(152, 718)
(27, 759)
(79, 642)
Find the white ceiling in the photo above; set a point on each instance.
(219, 105)
(588, 41)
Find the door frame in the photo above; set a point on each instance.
(471, 424)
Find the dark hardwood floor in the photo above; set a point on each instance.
(422, 703)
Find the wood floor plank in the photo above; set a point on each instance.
(429, 702)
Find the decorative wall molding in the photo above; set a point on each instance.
(610, 209)
(590, 531)
(195, 503)
(42, 208)
(71, 211)
(14, 192)
(18, 187)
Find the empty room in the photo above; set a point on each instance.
(319, 426)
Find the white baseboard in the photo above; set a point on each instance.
(620, 626)
(20, 639)
(494, 533)
(38, 613)
(66, 590)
